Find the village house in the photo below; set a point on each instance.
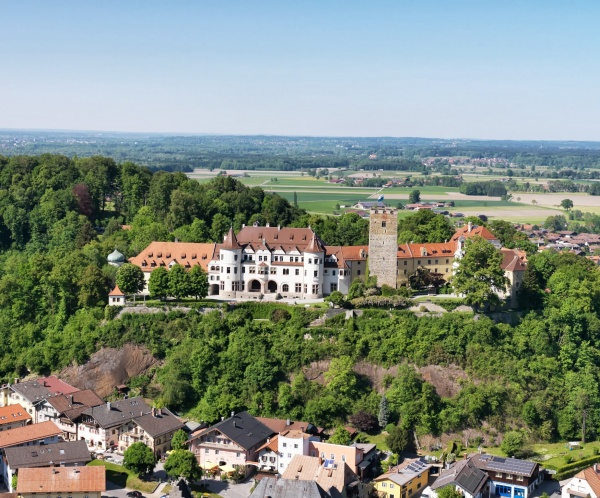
(585, 484)
(231, 444)
(270, 487)
(62, 454)
(13, 416)
(509, 477)
(65, 409)
(121, 423)
(332, 478)
(33, 435)
(404, 480)
(56, 482)
(32, 394)
(464, 477)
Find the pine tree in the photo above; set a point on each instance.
(295, 199)
(384, 412)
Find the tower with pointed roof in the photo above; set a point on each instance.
(230, 260)
(314, 260)
(383, 245)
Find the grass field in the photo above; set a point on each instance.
(120, 476)
(321, 197)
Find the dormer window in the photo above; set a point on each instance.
(159, 255)
(194, 255)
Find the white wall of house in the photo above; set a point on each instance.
(579, 486)
(289, 447)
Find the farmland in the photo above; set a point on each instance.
(318, 195)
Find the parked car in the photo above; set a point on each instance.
(135, 494)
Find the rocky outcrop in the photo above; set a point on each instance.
(108, 368)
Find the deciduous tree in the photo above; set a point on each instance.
(139, 458)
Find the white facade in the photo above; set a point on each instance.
(290, 444)
(578, 487)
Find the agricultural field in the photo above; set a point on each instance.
(322, 197)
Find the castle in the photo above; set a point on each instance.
(271, 262)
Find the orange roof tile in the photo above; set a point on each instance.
(35, 432)
(442, 249)
(163, 253)
(511, 260)
(61, 480)
(474, 230)
(13, 413)
(299, 237)
(116, 292)
(271, 444)
(592, 478)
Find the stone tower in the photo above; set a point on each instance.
(383, 245)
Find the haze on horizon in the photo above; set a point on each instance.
(487, 70)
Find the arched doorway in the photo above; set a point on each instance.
(213, 290)
(254, 286)
(272, 286)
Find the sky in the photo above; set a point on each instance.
(491, 69)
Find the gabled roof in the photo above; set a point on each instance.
(592, 477)
(46, 480)
(272, 444)
(277, 425)
(242, 428)
(507, 465)
(315, 245)
(37, 390)
(13, 413)
(405, 472)
(118, 412)
(470, 230)
(162, 422)
(463, 474)
(40, 456)
(230, 242)
(512, 261)
(75, 402)
(272, 236)
(270, 487)
(28, 433)
(329, 478)
(187, 254)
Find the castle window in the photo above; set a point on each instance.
(298, 287)
(297, 271)
(285, 288)
(405, 263)
(447, 261)
(228, 270)
(286, 271)
(333, 287)
(316, 273)
(428, 261)
(358, 272)
(383, 224)
(235, 257)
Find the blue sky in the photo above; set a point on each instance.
(481, 69)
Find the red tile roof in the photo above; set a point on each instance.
(116, 292)
(230, 241)
(28, 433)
(475, 230)
(47, 480)
(187, 254)
(57, 386)
(13, 413)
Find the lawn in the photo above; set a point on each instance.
(378, 440)
(122, 477)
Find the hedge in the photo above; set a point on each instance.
(571, 469)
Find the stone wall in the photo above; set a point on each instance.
(383, 245)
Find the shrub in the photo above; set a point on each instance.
(568, 458)
(280, 315)
(380, 302)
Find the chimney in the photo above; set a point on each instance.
(243, 225)
(302, 428)
(234, 424)
(222, 418)
(268, 225)
(470, 226)
(108, 405)
(16, 380)
(287, 422)
(268, 440)
(232, 413)
(278, 227)
(596, 468)
(141, 414)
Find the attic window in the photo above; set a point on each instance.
(159, 254)
(144, 263)
(168, 255)
(194, 255)
(204, 256)
(150, 254)
(183, 256)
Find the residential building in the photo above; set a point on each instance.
(470, 230)
(332, 478)
(13, 416)
(270, 487)
(268, 455)
(155, 429)
(404, 480)
(62, 454)
(32, 394)
(64, 410)
(121, 423)
(584, 484)
(56, 482)
(289, 444)
(44, 433)
(465, 477)
(230, 444)
(509, 477)
(370, 460)
(351, 456)
(116, 297)
(277, 425)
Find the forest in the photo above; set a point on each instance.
(563, 159)
(61, 217)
